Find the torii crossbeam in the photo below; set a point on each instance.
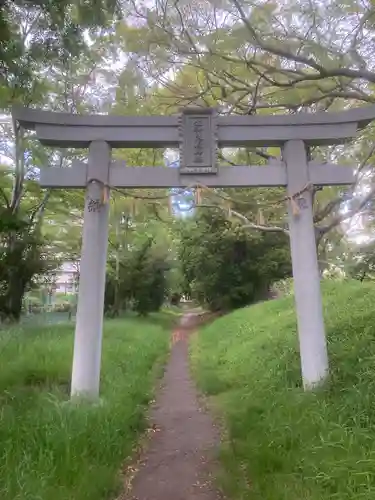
(197, 132)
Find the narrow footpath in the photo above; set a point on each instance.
(179, 459)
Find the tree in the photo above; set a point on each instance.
(259, 58)
(61, 77)
(35, 33)
(20, 265)
(149, 280)
(263, 55)
(141, 280)
(227, 267)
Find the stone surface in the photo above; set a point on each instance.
(313, 349)
(69, 130)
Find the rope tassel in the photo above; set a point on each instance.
(198, 196)
(295, 207)
(105, 195)
(260, 218)
(294, 204)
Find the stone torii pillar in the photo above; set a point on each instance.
(89, 319)
(313, 348)
(197, 133)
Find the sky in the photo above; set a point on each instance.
(180, 203)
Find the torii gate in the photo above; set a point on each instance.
(197, 132)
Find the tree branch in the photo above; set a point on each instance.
(247, 224)
(307, 61)
(250, 225)
(345, 217)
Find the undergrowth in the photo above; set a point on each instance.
(282, 443)
(51, 448)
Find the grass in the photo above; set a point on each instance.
(282, 443)
(45, 318)
(53, 449)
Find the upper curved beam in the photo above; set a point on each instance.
(30, 118)
(69, 130)
(361, 116)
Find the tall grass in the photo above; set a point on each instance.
(53, 449)
(282, 443)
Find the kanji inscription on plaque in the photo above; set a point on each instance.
(198, 141)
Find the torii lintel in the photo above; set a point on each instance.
(71, 130)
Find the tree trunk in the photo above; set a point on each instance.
(11, 303)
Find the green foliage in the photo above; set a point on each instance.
(35, 33)
(361, 262)
(46, 62)
(10, 222)
(149, 280)
(141, 280)
(284, 287)
(226, 266)
(20, 260)
(284, 444)
(51, 448)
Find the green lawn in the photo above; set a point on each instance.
(282, 443)
(53, 449)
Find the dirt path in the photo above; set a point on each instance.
(179, 457)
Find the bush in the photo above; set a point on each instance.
(284, 287)
(63, 307)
